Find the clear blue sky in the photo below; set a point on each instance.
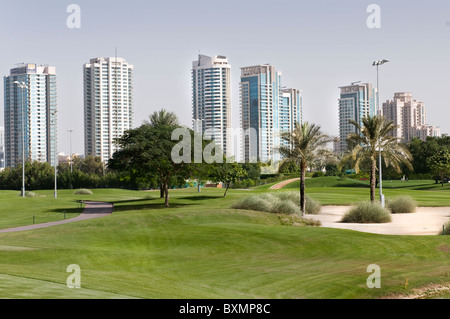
(318, 45)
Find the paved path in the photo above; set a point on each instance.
(425, 221)
(91, 210)
(284, 184)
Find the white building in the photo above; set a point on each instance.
(108, 104)
(410, 117)
(211, 99)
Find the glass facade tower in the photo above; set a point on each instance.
(267, 109)
(356, 102)
(30, 114)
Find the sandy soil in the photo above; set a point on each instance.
(426, 221)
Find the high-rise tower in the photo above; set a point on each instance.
(30, 114)
(211, 99)
(108, 104)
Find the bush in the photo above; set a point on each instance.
(30, 194)
(368, 213)
(257, 203)
(318, 174)
(83, 191)
(287, 203)
(402, 205)
(312, 207)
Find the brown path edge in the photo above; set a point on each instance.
(284, 184)
(92, 210)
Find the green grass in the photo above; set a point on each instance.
(332, 191)
(201, 248)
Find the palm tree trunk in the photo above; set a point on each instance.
(373, 180)
(302, 188)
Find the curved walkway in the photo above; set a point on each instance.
(284, 184)
(91, 210)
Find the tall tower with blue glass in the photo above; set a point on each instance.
(261, 101)
(30, 115)
(356, 102)
(291, 111)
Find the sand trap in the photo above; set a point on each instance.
(426, 221)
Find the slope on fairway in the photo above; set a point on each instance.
(200, 248)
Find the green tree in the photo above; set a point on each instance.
(440, 164)
(162, 118)
(374, 135)
(228, 173)
(148, 149)
(306, 143)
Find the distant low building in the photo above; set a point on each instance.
(410, 117)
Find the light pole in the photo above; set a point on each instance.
(377, 64)
(70, 157)
(56, 156)
(23, 86)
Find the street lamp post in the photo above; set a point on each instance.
(377, 64)
(23, 86)
(55, 157)
(70, 157)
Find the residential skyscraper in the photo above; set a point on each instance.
(2, 147)
(261, 101)
(267, 110)
(410, 117)
(211, 99)
(108, 104)
(30, 114)
(356, 102)
(291, 111)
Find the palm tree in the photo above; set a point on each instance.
(163, 117)
(306, 143)
(373, 136)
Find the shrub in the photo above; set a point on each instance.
(368, 213)
(30, 194)
(318, 174)
(402, 205)
(257, 203)
(285, 208)
(287, 203)
(312, 207)
(83, 191)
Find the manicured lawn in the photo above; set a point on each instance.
(332, 191)
(200, 248)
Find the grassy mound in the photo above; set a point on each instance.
(368, 213)
(402, 205)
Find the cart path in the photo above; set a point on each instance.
(92, 210)
(284, 184)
